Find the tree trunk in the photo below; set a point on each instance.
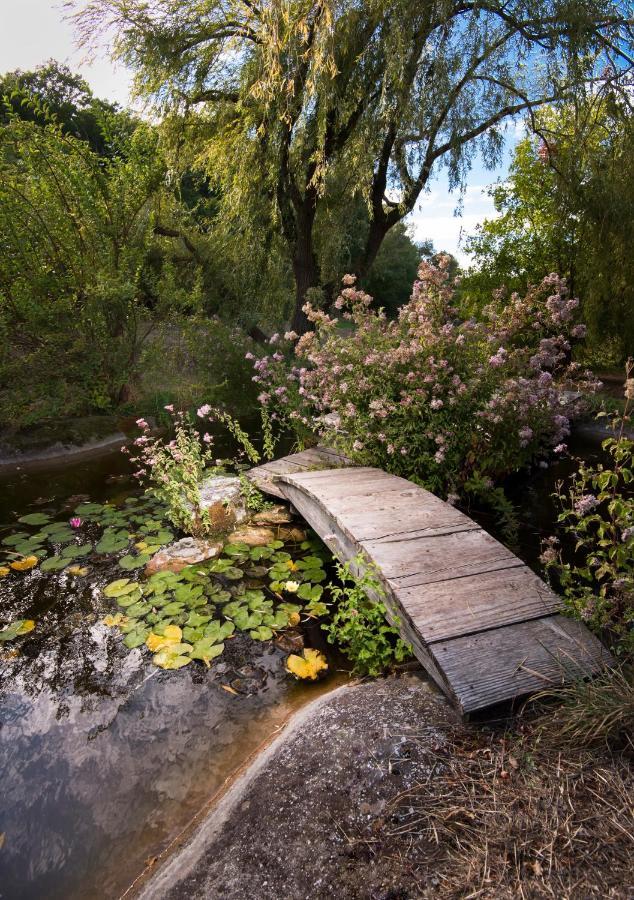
(378, 230)
(305, 268)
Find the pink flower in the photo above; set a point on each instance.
(561, 448)
(203, 411)
(290, 336)
(349, 279)
(357, 446)
(169, 407)
(142, 423)
(75, 522)
(207, 438)
(249, 356)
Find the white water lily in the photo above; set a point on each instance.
(291, 586)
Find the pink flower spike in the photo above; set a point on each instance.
(203, 411)
(75, 522)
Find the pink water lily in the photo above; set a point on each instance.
(75, 522)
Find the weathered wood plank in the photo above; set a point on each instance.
(517, 660)
(462, 606)
(480, 621)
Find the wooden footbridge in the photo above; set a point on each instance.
(482, 624)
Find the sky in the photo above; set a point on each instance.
(33, 31)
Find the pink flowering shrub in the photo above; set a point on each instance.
(444, 402)
(174, 469)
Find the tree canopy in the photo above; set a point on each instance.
(282, 97)
(568, 206)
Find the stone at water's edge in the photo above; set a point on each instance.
(221, 496)
(252, 535)
(180, 554)
(292, 533)
(278, 515)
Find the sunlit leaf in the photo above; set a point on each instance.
(53, 564)
(172, 634)
(16, 629)
(136, 637)
(4, 570)
(24, 564)
(114, 621)
(307, 666)
(77, 570)
(263, 633)
(173, 657)
(120, 587)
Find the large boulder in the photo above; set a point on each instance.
(221, 496)
(277, 515)
(180, 554)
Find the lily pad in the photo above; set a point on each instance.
(129, 562)
(263, 633)
(11, 540)
(74, 550)
(17, 629)
(129, 599)
(54, 564)
(173, 657)
(136, 637)
(120, 587)
(35, 519)
(206, 650)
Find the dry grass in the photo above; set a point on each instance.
(501, 817)
(593, 712)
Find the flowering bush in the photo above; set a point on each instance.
(174, 470)
(448, 403)
(598, 511)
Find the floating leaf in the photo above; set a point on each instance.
(114, 621)
(120, 587)
(35, 519)
(74, 550)
(195, 619)
(136, 637)
(172, 634)
(129, 562)
(307, 666)
(206, 650)
(77, 570)
(263, 633)
(24, 564)
(53, 564)
(126, 600)
(173, 608)
(11, 540)
(173, 657)
(237, 549)
(139, 609)
(4, 570)
(16, 629)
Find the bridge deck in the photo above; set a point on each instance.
(482, 624)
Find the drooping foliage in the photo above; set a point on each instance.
(290, 101)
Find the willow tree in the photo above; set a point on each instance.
(290, 98)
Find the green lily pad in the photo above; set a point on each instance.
(191, 635)
(237, 549)
(195, 619)
(11, 540)
(17, 629)
(54, 564)
(173, 657)
(129, 562)
(35, 519)
(206, 650)
(129, 599)
(263, 633)
(136, 637)
(120, 587)
(74, 550)
(173, 609)
(139, 609)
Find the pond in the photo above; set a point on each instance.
(105, 758)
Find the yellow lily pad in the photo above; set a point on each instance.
(4, 570)
(307, 666)
(173, 657)
(172, 635)
(24, 564)
(77, 570)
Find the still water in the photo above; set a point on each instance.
(103, 757)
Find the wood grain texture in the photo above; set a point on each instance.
(481, 622)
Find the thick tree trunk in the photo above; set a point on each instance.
(378, 230)
(305, 268)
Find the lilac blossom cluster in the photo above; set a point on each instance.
(430, 395)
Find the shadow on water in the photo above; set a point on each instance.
(103, 757)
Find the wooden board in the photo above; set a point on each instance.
(480, 621)
(264, 476)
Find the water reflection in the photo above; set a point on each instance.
(103, 757)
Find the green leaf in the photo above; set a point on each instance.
(13, 539)
(17, 629)
(263, 633)
(54, 564)
(173, 657)
(72, 551)
(136, 637)
(35, 519)
(206, 650)
(127, 600)
(129, 562)
(120, 587)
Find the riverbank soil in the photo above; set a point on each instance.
(377, 791)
